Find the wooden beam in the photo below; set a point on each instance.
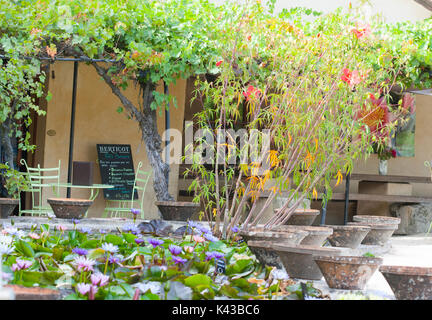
(381, 198)
(390, 178)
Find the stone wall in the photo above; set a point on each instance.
(415, 218)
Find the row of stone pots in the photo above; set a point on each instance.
(299, 250)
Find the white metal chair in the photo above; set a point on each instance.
(122, 208)
(40, 178)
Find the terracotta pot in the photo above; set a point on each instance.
(283, 237)
(7, 206)
(33, 293)
(298, 261)
(349, 236)
(409, 283)
(176, 210)
(316, 236)
(263, 251)
(69, 208)
(376, 219)
(379, 234)
(303, 217)
(347, 272)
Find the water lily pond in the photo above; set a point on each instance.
(83, 264)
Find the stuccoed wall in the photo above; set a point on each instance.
(97, 121)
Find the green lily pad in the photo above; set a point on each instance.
(197, 280)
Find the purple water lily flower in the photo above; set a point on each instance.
(102, 231)
(194, 224)
(6, 276)
(116, 259)
(85, 230)
(132, 228)
(109, 247)
(210, 237)
(175, 250)
(155, 242)
(178, 260)
(5, 249)
(139, 240)
(135, 212)
(80, 251)
(76, 221)
(213, 255)
(204, 230)
(235, 229)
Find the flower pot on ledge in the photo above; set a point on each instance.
(347, 272)
(350, 236)
(298, 260)
(316, 236)
(263, 251)
(287, 237)
(379, 234)
(176, 210)
(69, 208)
(302, 217)
(376, 219)
(7, 206)
(409, 283)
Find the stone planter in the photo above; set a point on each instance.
(347, 272)
(7, 206)
(69, 208)
(376, 219)
(289, 238)
(263, 251)
(178, 211)
(298, 260)
(303, 217)
(348, 236)
(409, 283)
(379, 234)
(33, 293)
(316, 236)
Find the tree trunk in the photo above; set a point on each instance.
(148, 125)
(6, 143)
(153, 143)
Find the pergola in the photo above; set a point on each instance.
(73, 107)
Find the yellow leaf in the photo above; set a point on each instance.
(315, 194)
(339, 177)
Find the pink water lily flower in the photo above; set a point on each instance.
(61, 228)
(188, 249)
(34, 235)
(99, 279)
(198, 239)
(21, 265)
(84, 264)
(83, 288)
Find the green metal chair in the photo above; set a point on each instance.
(122, 208)
(40, 178)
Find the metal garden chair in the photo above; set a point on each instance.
(40, 178)
(122, 208)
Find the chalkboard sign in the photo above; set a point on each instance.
(117, 169)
